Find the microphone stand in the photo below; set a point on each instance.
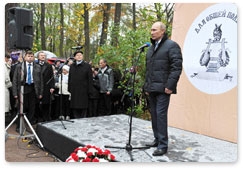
(59, 71)
(128, 146)
(61, 117)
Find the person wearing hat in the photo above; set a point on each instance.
(64, 95)
(17, 58)
(80, 85)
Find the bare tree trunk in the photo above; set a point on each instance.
(106, 14)
(117, 19)
(61, 31)
(86, 31)
(42, 26)
(36, 22)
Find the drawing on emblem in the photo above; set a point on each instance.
(214, 57)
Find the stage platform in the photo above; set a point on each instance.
(61, 137)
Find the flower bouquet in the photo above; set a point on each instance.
(90, 153)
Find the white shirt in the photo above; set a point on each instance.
(78, 62)
(103, 69)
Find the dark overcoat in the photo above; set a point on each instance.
(80, 85)
(48, 80)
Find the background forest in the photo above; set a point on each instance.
(112, 31)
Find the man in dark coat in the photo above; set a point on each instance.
(28, 84)
(43, 105)
(163, 69)
(16, 59)
(79, 85)
(95, 95)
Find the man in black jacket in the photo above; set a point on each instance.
(43, 105)
(163, 69)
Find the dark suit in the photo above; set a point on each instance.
(30, 92)
(42, 107)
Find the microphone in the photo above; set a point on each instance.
(77, 47)
(147, 44)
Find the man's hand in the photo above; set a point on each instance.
(168, 91)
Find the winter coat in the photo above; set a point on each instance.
(63, 84)
(8, 84)
(95, 88)
(79, 84)
(106, 80)
(48, 80)
(163, 66)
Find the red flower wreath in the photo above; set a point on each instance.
(90, 153)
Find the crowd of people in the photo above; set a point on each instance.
(78, 90)
(74, 89)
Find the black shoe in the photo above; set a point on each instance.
(159, 152)
(152, 144)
